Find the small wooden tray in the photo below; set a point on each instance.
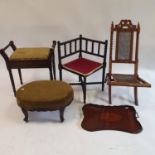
(100, 117)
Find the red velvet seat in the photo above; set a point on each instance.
(83, 66)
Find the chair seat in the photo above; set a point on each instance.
(21, 54)
(127, 80)
(83, 66)
(44, 94)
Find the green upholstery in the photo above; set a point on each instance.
(30, 54)
(45, 94)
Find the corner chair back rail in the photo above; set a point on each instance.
(86, 45)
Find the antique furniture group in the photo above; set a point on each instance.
(81, 56)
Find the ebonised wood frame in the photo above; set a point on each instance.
(49, 63)
(80, 46)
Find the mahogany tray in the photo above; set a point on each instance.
(100, 117)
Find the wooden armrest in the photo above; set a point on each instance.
(54, 44)
(52, 49)
(11, 44)
(3, 53)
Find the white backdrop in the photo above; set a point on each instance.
(38, 22)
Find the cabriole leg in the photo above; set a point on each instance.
(25, 114)
(62, 114)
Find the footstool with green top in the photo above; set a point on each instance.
(45, 95)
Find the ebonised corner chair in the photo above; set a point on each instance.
(74, 57)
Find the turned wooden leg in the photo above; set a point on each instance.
(83, 84)
(25, 114)
(60, 73)
(84, 90)
(103, 79)
(109, 94)
(136, 95)
(12, 81)
(62, 114)
(20, 75)
(51, 72)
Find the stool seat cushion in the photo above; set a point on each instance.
(21, 54)
(45, 94)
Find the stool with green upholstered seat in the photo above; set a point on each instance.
(31, 57)
(45, 95)
(40, 53)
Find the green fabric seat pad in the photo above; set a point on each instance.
(30, 54)
(45, 94)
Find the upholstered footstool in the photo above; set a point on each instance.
(45, 95)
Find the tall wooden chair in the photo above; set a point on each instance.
(83, 57)
(124, 42)
(28, 58)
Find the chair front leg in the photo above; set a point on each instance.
(20, 75)
(136, 95)
(110, 94)
(84, 90)
(83, 84)
(51, 73)
(103, 78)
(12, 81)
(60, 73)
